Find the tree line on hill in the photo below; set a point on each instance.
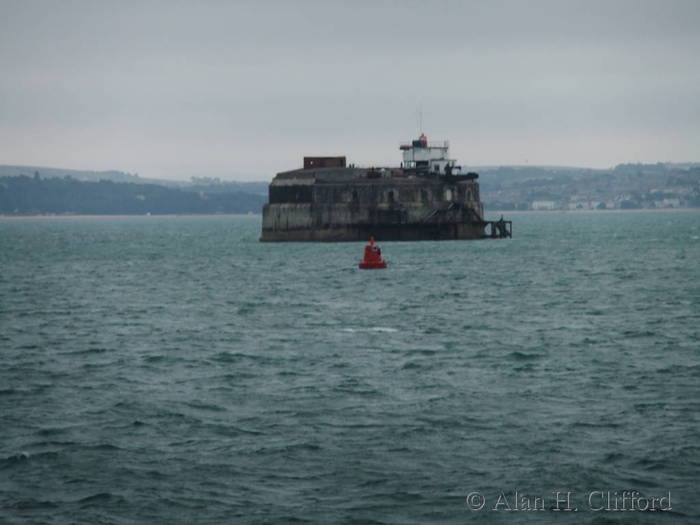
(25, 195)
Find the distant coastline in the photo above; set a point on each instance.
(38, 191)
(56, 196)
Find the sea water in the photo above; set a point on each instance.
(176, 370)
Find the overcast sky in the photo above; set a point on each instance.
(242, 90)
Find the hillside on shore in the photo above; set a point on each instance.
(36, 190)
(627, 186)
(24, 195)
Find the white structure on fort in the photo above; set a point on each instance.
(427, 157)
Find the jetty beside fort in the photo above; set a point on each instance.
(425, 198)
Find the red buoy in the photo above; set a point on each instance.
(373, 257)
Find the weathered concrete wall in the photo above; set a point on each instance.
(346, 205)
(403, 232)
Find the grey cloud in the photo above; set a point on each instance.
(247, 88)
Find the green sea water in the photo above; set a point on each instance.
(176, 370)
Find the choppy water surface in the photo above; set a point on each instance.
(176, 370)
